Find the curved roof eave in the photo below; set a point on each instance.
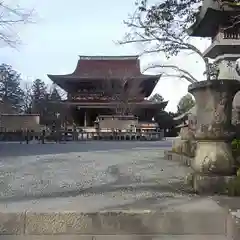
(59, 78)
(211, 14)
(75, 76)
(206, 8)
(199, 22)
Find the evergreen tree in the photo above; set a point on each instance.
(39, 91)
(39, 98)
(54, 101)
(185, 104)
(54, 106)
(10, 90)
(166, 121)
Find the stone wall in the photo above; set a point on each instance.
(15, 122)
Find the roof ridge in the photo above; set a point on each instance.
(119, 57)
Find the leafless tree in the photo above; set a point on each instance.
(124, 93)
(175, 72)
(60, 91)
(57, 111)
(10, 17)
(27, 97)
(163, 28)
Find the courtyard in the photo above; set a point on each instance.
(108, 175)
(115, 187)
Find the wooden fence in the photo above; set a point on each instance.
(59, 136)
(120, 136)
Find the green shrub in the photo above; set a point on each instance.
(236, 154)
(233, 187)
(236, 148)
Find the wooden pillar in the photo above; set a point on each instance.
(85, 118)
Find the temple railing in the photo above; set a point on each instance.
(225, 35)
(231, 35)
(84, 94)
(99, 98)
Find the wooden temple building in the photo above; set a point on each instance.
(108, 86)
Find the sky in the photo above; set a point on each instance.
(66, 29)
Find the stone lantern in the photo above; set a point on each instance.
(213, 164)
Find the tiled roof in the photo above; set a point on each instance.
(91, 68)
(107, 67)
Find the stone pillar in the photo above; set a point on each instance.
(226, 65)
(213, 164)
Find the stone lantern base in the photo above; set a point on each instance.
(213, 164)
(209, 184)
(214, 157)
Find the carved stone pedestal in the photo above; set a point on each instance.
(213, 159)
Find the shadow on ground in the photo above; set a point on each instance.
(17, 149)
(150, 185)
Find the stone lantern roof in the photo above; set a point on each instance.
(213, 14)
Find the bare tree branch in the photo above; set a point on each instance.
(179, 76)
(60, 91)
(124, 92)
(162, 28)
(183, 73)
(27, 97)
(10, 18)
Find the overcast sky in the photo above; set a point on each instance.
(66, 29)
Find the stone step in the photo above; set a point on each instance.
(117, 237)
(114, 222)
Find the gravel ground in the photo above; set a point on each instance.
(132, 177)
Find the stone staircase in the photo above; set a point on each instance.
(120, 225)
(117, 237)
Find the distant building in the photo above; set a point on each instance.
(18, 122)
(116, 123)
(92, 89)
(11, 121)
